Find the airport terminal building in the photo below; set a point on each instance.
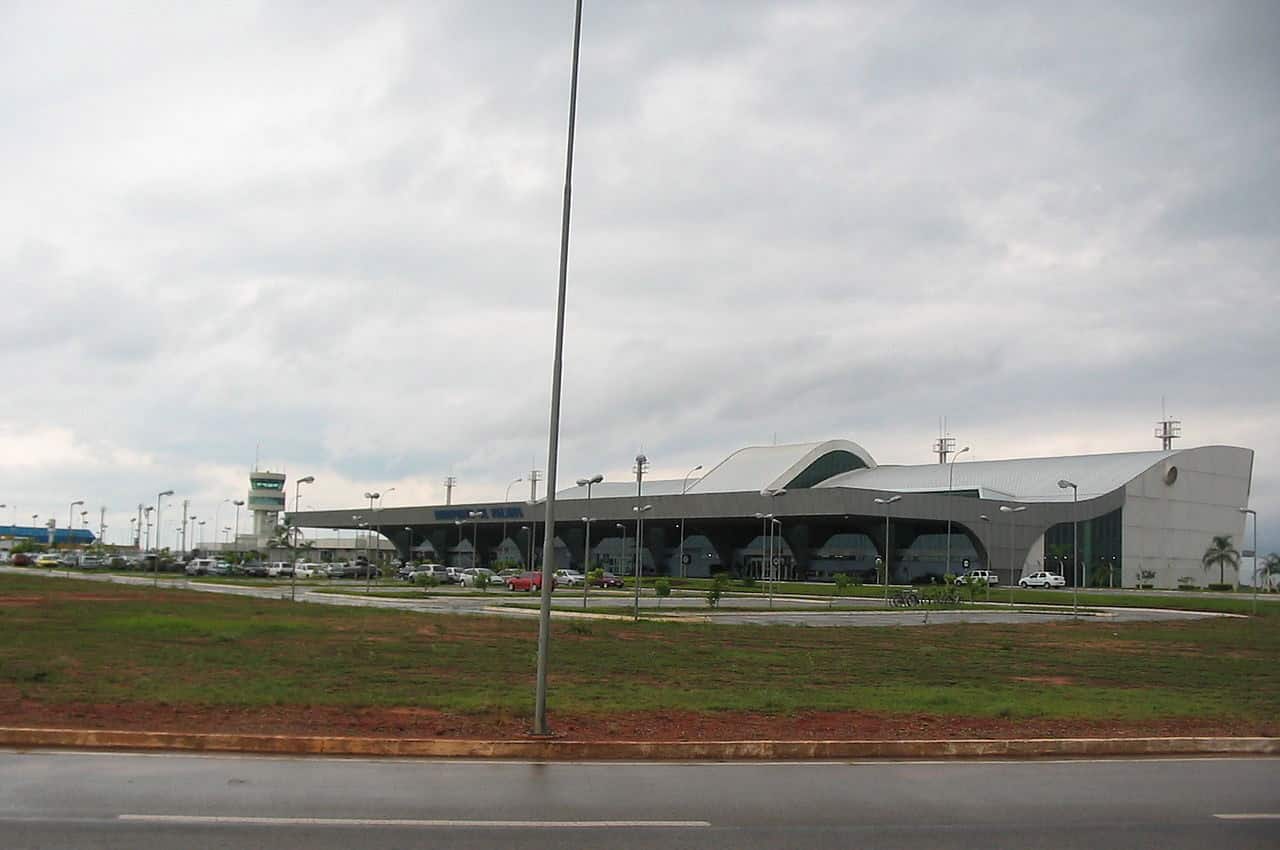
(1143, 518)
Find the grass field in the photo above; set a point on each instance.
(67, 641)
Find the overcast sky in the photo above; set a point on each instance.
(332, 229)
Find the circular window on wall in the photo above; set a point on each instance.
(1171, 475)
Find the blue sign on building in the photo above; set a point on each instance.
(514, 512)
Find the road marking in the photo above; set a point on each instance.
(415, 822)
(1250, 816)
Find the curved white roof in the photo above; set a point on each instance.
(758, 468)
(1020, 480)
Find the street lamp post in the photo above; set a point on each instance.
(409, 550)
(775, 549)
(507, 498)
(235, 539)
(529, 531)
(553, 438)
(684, 487)
(586, 545)
(990, 567)
(886, 502)
(622, 553)
(951, 473)
(773, 570)
(147, 515)
(640, 512)
(71, 524)
(1011, 510)
(294, 530)
(1250, 511)
(1075, 541)
(475, 517)
(764, 538)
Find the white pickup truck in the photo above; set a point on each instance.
(979, 575)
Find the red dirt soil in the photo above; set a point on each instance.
(647, 726)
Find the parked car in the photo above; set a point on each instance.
(48, 559)
(220, 568)
(21, 559)
(280, 569)
(92, 562)
(257, 569)
(469, 577)
(978, 575)
(1042, 579)
(570, 578)
(606, 580)
(529, 581)
(439, 572)
(308, 569)
(198, 567)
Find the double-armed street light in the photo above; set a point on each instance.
(684, 488)
(586, 545)
(1011, 510)
(640, 512)
(886, 502)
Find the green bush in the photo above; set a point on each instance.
(843, 581)
(748, 581)
(424, 580)
(1221, 587)
(661, 589)
(719, 584)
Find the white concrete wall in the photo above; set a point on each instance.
(1167, 527)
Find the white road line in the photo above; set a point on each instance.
(1250, 816)
(427, 823)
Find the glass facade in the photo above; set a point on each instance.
(1100, 550)
(831, 463)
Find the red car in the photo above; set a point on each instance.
(606, 580)
(528, 581)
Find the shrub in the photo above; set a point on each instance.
(748, 581)
(482, 581)
(424, 580)
(717, 589)
(661, 589)
(842, 581)
(1221, 587)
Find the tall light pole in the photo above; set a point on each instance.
(1254, 582)
(409, 551)
(951, 473)
(640, 512)
(586, 545)
(371, 497)
(773, 511)
(684, 488)
(294, 530)
(764, 537)
(1075, 541)
(1011, 510)
(529, 531)
(71, 523)
(217, 513)
(886, 502)
(553, 439)
(622, 556)
(775, 550)
(239, 503)
(475, 517)
(147, 514)
(507, 498)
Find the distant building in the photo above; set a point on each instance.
(1143, 517)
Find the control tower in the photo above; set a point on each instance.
(266, 500)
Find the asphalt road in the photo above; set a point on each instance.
(144, 802)
(861, 611)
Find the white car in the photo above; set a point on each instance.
(1042, 579)
(979, 575)
(469, 577)
(570, 578)
(308, 570)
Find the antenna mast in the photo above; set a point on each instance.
(945, 444)
(1167, 429)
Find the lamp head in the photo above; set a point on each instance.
(77, 502)
(1064, 484)
(237, 502)
(164, 493)
(308, 480)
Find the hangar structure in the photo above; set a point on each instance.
(1144, 517)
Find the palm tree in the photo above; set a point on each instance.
(1221, 553)
(1270, 566)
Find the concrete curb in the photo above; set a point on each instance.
(566, 750)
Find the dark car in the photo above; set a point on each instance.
(257, 569)
(21, 559)
(606, 580)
